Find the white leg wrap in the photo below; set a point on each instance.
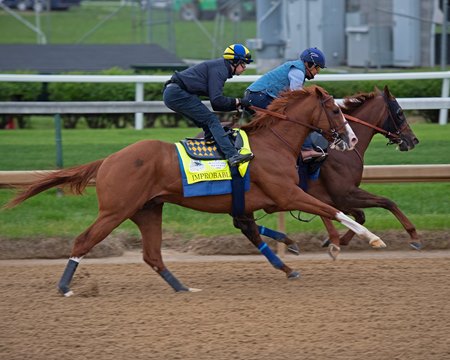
(360, 230)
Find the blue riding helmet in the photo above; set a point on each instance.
(313, 55)
(236, 53)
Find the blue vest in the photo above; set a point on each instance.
(276, 80)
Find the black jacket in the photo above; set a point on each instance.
(207, 79)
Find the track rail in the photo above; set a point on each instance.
(371, 174)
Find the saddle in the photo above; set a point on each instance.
(205, 149)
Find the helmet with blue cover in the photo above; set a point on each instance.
(314, 56)
(237, 53)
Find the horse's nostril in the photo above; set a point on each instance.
(415, 141)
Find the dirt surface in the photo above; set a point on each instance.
(367, 305)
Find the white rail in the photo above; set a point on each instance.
(127, 107)
(139, 81)
(371, 174)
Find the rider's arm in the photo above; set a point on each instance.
(217, 75)
(296, 78)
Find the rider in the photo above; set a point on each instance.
(290, 75)
(182, 91)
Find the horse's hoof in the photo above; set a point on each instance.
(416, 245)
(326, 243)
(334, 251)
(65, 291)
(194, 290)
(377, 243)
(294, 249)
(293, 275)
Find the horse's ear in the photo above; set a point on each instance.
(319, 91)
(387, 92)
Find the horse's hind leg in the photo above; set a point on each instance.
(149, 221)
(247, 225)
(100, 229)
(292, 247)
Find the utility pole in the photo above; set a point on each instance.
(444, 36)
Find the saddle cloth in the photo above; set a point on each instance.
(200, 150)
(211, 174)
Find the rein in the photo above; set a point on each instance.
(387, 134)
(378, 129)
(283, 117)
(394, 138)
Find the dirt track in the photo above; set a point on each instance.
(364, 306)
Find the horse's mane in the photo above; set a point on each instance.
(280, 105)
(354, 102)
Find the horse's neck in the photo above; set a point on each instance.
(364, 135)
(289, 135)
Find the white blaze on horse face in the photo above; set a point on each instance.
(345, 142)
(352, 139)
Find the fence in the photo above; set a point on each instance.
(139, 107)
(371, 174)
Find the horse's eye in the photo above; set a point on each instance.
(399, 112)
(336, 111)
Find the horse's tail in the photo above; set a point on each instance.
(77, 178)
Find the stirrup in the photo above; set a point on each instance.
(240, 158)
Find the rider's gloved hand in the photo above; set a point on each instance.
(244, 104)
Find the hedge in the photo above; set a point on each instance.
(126, 92)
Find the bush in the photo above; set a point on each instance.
(126, 92)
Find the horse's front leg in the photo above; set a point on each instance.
(363, 199)
(360, 218)
(149, 221)
(246, 223)
(293, 198)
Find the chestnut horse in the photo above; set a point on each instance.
(135, 182)
(341, 174)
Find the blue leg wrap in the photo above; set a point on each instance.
(276, 235)
(172, 280)
(67, 276)
(270, 255)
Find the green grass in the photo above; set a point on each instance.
(125, 27)
(426, 204)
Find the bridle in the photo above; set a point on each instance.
(392, 135)
(331, 135)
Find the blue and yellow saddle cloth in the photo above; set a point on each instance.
(208, 173)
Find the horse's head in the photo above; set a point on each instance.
(399, 131)
(331, 123)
